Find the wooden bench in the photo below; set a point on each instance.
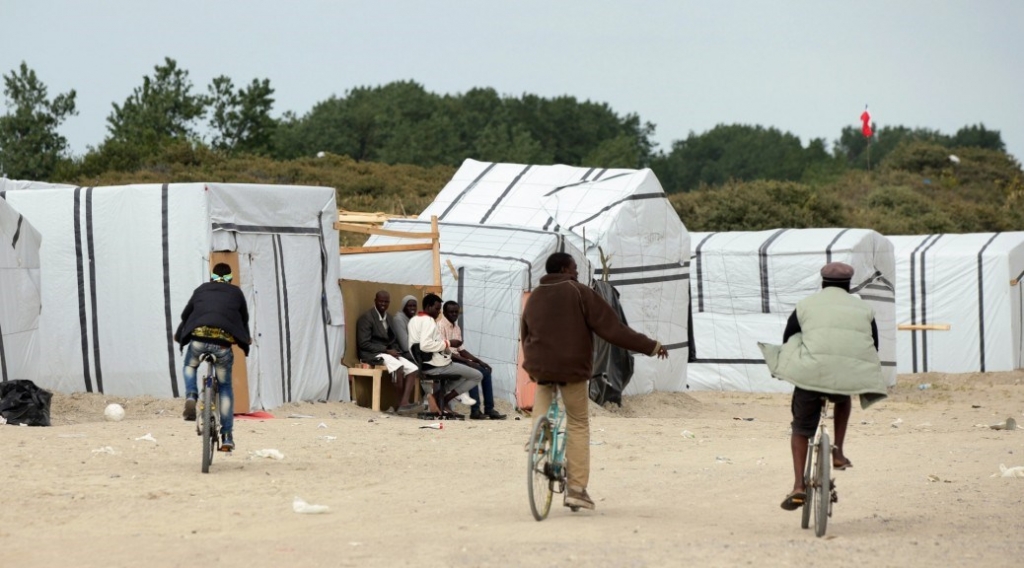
(363, 377)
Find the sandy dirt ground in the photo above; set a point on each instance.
(925, 488)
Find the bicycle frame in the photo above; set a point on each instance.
(556, 416)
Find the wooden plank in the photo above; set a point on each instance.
(923, 327)
(436, 244)
(385, 248)
(239, 375)
(451, 267)
(369, 230)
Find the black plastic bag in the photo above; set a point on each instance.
(613, 365)
(22, 402)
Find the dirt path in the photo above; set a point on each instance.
(921, 492)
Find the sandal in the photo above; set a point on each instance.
(843, 465)
(794, 501)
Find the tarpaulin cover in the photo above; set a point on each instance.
(624, 216)
(120, 263)
(971, 282)
(20, 300)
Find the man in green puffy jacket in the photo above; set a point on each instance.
(830, 350)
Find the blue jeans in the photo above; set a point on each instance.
(222, 368)
(485, 384)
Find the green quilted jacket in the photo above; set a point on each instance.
(834, 352)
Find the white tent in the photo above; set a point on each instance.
(19, 294)
(624, 213)
(971, 282)
(487, 269)
(120, 263)
(746, 284)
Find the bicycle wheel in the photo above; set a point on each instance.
(209, 429)
(538, 484)
(823, 489)
(805, 519)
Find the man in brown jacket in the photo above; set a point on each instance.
(558, 352)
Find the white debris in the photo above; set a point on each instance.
(147, 438)
(105, 450)
(1011, 471)
(300, 506)
(268, 453)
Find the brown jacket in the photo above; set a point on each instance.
(556, 329)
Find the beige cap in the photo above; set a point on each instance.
(837, 272)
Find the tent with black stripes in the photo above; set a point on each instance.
(120, 263)
(744, 286)
(19, 294)
(970, 282)
(489, 270)
(620, 216)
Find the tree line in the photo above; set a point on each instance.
(391, 148)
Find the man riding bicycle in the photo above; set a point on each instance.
(830, 350)
(215, 318)
(557, 330)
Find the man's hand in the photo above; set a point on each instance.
(662, 353)
(393, 353)
(456, 343)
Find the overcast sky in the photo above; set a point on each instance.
(807, 67)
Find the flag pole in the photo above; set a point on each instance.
(869, 153)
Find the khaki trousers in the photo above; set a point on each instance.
(577, 444)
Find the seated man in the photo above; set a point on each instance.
(830, 350)
(376, 341)
(438, 358)
(401, 319)
(450, 330)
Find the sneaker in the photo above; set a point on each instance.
(464, 398)
(227, 442)
(579, 499)
(190, 410)
(493, 414)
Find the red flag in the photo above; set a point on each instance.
(865, 118)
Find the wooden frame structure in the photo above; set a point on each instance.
(369, 224)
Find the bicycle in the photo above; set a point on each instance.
(206, 425)
(820, 488)
(546, 467)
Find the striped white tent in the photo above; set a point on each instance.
(19, 294)
(621, 214)
(487, 269)
(971, 282)
(745, 285)
(120, 263)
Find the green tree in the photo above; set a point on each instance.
(977, 136)
(736, 152)
(162, 111)
(30, 146)
(240, 118)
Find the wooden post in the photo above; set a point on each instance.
(239, 378)
(437, 250)
(923, 327)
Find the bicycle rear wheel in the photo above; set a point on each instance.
(209, 429)
(538, 482)
(823, 487)
(805, 518)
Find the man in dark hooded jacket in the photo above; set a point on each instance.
(215, 318)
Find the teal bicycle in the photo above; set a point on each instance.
(546, 471)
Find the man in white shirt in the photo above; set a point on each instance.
(437, 355)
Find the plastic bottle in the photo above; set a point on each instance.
(924, 386)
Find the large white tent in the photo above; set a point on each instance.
(971, 282)
(120, 263)
(746, 284)
(19, 294)
(623, 214)
(487, 269)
